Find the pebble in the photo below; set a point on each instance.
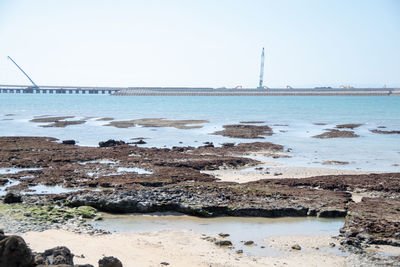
(249, 243)
(296, 247)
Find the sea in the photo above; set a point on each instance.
(292, 118)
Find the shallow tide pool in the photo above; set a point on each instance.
(239, 228)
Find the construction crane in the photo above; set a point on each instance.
(260, 85)
(34, 84)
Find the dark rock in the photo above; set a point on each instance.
(332, 213)
(208, 144)
(296, 247)
(249, 243)
(110, 262)
(14, 252)
(3, 181)
(240, 251)
(69, 142)
(164, 263)
(57, 255)
(223, 243)
(225, 145)
(65, 265)
(332, 245)
(110, 143)
(140, 142)
(12, 197)
(223, 235)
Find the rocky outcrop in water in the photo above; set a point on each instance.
(110, 143)
(245, 131)
(336, 134)
(377, 131)
(348, 126)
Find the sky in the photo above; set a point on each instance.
(201, 43)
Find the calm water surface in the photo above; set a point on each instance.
(239, 228)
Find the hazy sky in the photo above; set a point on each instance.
(212, 43)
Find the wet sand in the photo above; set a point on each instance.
(178, 248)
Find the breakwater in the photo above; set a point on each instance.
(197, 91)
(254, 92)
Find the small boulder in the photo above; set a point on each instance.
(223, 243)
(223, 235)
(296, 247)
(3, 181)
(58, 255)
(110, 262)
(226, 145)
(249, 243)
(14, 252)
(12, 197)
(208, 144)
(69, 142)
(110, 143)
(140, 142)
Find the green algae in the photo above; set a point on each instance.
(47, 213)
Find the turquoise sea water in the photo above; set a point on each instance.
(372, 152)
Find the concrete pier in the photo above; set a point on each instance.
(58, 89)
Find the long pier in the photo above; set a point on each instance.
(190, 91)
(24, 89)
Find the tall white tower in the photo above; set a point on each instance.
(260, 85)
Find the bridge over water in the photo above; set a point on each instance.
(58, 89)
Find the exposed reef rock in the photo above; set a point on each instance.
(51, 119)
(245, 131)
(348, 126)
(334, 162)
(336, 134)
(158, 122)
(154, 179)
(384, 132)
(60, 122)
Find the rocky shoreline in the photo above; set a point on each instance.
(172, 180)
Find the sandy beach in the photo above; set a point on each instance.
(181, 248)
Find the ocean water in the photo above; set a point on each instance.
(292, 119)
